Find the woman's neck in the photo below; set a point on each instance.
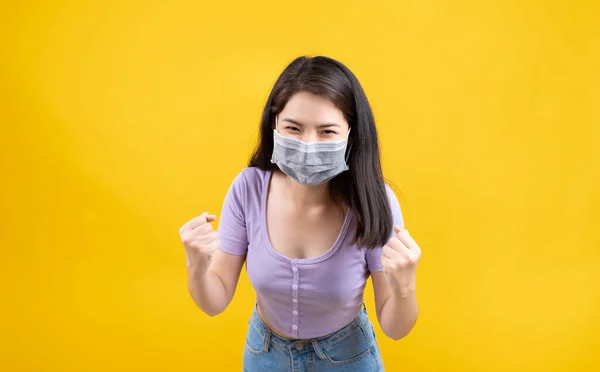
(306, 196)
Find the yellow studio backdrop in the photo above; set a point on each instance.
(120, 120)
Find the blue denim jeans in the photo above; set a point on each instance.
(351, 349)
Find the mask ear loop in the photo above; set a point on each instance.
(349, 148)
(273, 154)
(348, 153)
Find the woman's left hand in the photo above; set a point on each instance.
(400, 257)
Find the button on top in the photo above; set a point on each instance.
(294, 268)
(295, 312)
(294, 300)
(294, 287)
(294, 327)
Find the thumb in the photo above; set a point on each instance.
(210, 217)
(397, 229)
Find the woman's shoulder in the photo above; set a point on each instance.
(392, 197)
(394, 205)
(248, 184)
(251, 177)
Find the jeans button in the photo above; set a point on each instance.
(299, 346)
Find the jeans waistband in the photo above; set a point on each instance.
(361, 320)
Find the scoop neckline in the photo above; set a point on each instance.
(301, 261)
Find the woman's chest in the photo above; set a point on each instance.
(335, 277)
(300, 235)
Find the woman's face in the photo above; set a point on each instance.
(312, 118)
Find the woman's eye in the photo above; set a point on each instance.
(292, 128)
(328, 132)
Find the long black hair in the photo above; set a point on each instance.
(362, 187)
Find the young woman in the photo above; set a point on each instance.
(312, 218)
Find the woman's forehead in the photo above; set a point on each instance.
(305, 108)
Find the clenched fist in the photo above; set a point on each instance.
(399, 259)
(200, 241)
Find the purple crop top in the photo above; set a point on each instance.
(300, 298)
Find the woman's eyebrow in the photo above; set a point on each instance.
(292, 121)
(324, 125)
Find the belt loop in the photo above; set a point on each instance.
(364, 306)
(317, 347)
(267, 340)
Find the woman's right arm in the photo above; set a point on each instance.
(216, 260)
(212, 289)
(212, 273)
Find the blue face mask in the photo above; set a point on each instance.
(309, 163)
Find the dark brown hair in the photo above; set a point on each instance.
(362, 187)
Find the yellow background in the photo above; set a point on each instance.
(120, 120)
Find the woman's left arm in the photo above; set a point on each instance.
(395, 286)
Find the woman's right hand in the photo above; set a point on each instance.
(200, 241)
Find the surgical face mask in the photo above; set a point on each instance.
(309, 163)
